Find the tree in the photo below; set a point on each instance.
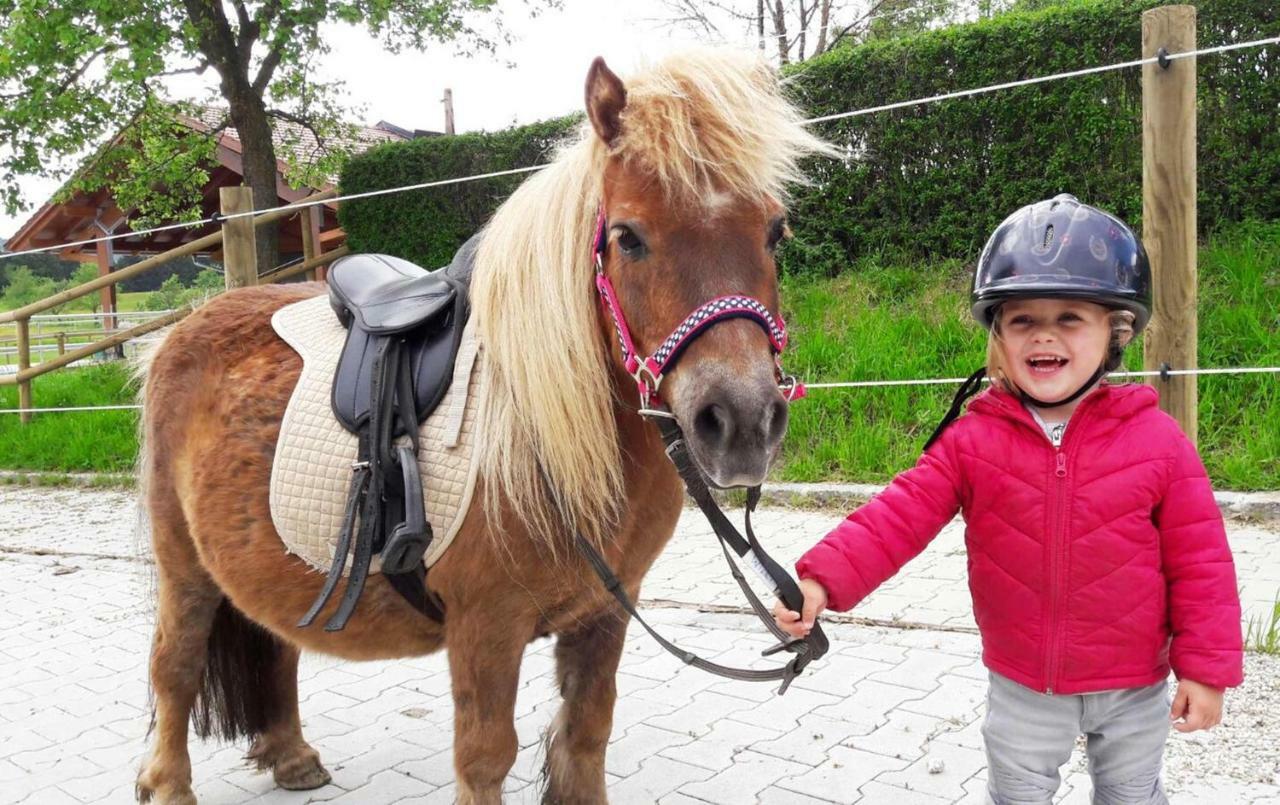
(796, 31)
(75, 73)
(87, 304)
(168, 297)
(24, 288)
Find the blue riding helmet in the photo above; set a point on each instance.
(1061, 248)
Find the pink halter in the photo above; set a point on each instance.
(648, 372)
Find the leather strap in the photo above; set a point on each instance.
(805, 649)
(967, 389)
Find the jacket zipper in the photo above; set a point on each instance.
(1056, 547)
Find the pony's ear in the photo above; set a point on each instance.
(605, 99)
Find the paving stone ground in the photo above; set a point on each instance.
(892, 716)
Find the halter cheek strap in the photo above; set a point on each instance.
(649, 371)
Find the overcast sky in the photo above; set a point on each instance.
(551, 55)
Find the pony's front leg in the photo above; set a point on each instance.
(485, 649)
(586, 665)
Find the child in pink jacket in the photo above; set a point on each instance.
(1097, 556)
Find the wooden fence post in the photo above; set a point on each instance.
(1169, 206)
(239, 238)
(309, 221)
(62, 343)
(24, 362)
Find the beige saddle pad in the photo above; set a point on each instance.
(312, 468)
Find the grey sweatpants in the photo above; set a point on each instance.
(1029, 735)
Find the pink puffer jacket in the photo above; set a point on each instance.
(1094, 566)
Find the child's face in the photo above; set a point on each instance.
(1051, 347)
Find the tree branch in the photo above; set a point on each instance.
(216, 41)
(268, 68)
(305, 122)
(780, 31)
(195, 70)
(871, 11)
(248, 33)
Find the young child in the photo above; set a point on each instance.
(1097, 556)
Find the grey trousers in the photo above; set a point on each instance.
(1029, 735)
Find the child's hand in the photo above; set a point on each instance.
(794, 623)
(1199, 706)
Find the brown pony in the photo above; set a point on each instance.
(689, 163)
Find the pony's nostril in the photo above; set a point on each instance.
(776, 421)
(714, 425)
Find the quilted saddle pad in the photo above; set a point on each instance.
(311, 472)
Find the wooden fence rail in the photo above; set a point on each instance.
(232, 236)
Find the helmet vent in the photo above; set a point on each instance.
(1048, 237)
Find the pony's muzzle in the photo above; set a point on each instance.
(735, 430)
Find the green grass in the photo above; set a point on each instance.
(1263, 633)
(131, 302)
(881, 320)
(92, 441)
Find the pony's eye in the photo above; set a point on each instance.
(630, 245)
(778, 231)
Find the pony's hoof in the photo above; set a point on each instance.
(293, 763)
(302, 772)
(164, 794)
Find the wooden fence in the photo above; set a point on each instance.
(237, 238)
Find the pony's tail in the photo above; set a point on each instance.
(237, 696)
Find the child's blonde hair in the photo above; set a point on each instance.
(1121, 334)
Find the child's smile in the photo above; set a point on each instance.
(1051, 347)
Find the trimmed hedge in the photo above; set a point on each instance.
(935, 180)
(928, 180)
(427, 226)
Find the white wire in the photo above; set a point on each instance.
(296, 206)
(852, 384)
(69, 408)
(938, 381)
(1043, 79)
(842, 115)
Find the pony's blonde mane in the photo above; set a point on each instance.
(703, 122)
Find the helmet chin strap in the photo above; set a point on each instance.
(1072, 398)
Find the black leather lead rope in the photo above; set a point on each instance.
(783, 586)
(614, 586)
(805, 649)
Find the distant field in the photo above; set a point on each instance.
(45, 332)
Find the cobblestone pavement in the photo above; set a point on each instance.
(893, 716)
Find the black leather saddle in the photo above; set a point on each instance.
(404, 325)
(376, 296)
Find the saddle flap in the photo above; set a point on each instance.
(432, 349)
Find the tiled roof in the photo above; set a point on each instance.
(297, 142)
